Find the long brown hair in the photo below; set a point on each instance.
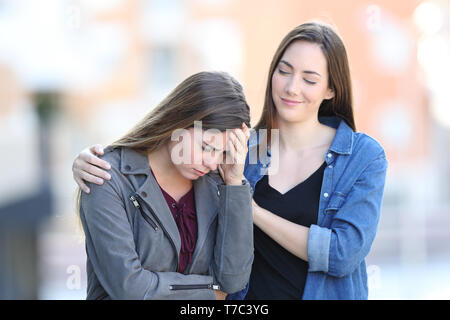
(214, 98)
(341, 105)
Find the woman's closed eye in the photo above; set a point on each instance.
(207, 148)
(213, 151)
(284, 72)
(309, 81)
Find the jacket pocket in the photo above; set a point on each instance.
(335, 203)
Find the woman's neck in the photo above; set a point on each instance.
(299, 136)
(163, 168)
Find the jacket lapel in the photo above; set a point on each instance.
(151, 194)
(207, 207)
(135, 163)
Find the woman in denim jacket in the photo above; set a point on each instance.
(318, 184)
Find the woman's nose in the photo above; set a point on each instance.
(293, 87)
(210, 162)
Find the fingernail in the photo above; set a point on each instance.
(108, 177)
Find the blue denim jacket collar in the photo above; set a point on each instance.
(342, 142)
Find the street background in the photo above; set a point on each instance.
(78, 72)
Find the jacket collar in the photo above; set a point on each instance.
(133, 162)
(343, 140)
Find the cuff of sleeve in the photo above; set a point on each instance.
(236, 188)
(318, 248)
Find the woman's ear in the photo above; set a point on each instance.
(330, 94)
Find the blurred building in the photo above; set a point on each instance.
(111, 61)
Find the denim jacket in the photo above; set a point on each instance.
(349, 211)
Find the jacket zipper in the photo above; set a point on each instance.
(136, 196)
(194, 286)
(146, 218)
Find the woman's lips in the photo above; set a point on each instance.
(199, 173)
(290, 102)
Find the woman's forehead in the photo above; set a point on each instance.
(305, 55)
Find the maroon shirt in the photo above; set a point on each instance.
(185, 217)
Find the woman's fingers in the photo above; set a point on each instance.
(92, 159)
(242, 139)
(97, 149)
(246, 130)
(82, 185)
(222, 173)
(90, 178)
(93, 170)
(239, 146)
(231, 151)
(82, 176)
(87, 167)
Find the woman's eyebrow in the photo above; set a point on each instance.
(287, 63)
(304, 71)
(311, 72)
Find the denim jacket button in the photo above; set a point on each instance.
(218, 193)
(329, 155)
(325, 195)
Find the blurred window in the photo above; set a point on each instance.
(162, 70)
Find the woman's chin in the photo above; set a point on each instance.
(190, 174)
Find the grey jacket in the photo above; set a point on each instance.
(133, 243)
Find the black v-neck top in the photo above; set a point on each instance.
(276, 273)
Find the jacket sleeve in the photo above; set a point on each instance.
(338, 250)
(233, 251)
(111, 250)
